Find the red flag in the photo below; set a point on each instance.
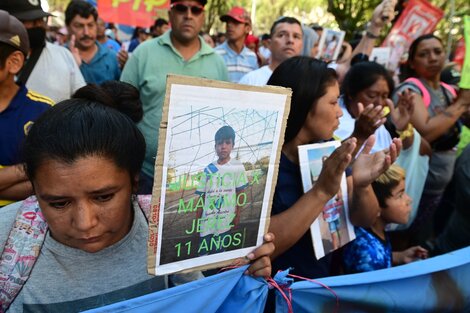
(419, 18)
(131, 12)
(460, 52)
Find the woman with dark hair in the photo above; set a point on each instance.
(369, 83)
(140, 35)
(313, 117)
(437, 110)
(83, 159)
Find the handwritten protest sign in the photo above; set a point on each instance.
(418, 18)
(332, 229)
(215, 172)
(131, 12)
(465, 78)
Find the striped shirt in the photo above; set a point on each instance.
(237, 64)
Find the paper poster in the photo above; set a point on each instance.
(465, 78)
(330, 44)
(215, 173)
(418, 18)
(131, 12)
(381, 55)
(332, 229)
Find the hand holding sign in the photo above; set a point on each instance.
(260, 258)
(383, 14)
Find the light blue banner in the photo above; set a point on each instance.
(439, 284)
(229, 292)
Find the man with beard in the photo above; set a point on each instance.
(97, 63)
(50, 70)
(178, 51)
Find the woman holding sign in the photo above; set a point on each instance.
(83, 159)
(437, 110)
(313, 117)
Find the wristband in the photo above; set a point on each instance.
(408, 132)
(371, 35)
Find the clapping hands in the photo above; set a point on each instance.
(368, 167)
(370, 118)
(401, 114)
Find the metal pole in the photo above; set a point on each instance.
(451, 25)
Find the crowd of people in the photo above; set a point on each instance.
(79, 124)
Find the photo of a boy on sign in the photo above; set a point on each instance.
(222, 191)
(216, 171)
(330, 44)
(332, 229)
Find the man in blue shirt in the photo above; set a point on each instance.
(97, 63)
(103, 39)
(238, 58)
(19, 108)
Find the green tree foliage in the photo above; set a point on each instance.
(267, 11)
(450, 28)
(347, 15)
(352, 15)
(58, 5)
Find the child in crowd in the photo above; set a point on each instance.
(372, 249)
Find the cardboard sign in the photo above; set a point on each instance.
(215, 172)
(330, 44)
(131, 12)
(332, 229)
(381, 55)
(418, 18)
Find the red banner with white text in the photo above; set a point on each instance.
(419, 18)
(131, 12)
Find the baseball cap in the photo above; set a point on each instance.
(239, 14)
(450, 75)
(203, 2)
(24, 10)
(13, 32)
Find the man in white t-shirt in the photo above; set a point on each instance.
(285, 42)
(264, 47)
(222, 187)
(55, 73)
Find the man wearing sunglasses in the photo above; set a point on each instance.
(238, 58)
(178, 51)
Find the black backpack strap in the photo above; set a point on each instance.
(29, 66)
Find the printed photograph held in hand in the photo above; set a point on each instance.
(215, 172)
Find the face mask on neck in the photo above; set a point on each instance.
(37, 37)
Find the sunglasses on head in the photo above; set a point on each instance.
(183, 8)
